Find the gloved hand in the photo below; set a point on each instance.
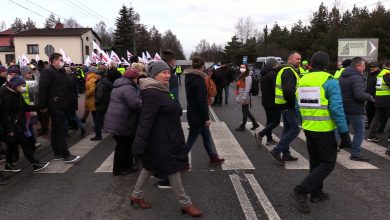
(345, 140)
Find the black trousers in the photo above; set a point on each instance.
(379, 121)
(370, 110)
(246, 113)
(322, 148)
(122, 156)
(99, 121)
(58, 132)
(218, 98)
(13, 143)
(273, 120)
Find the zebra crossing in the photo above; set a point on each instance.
(228, 147)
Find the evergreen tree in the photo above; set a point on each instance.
(124, 32)
(50, 21)
(18, 25)
(155, 40)
(29, 25)
(170, 41)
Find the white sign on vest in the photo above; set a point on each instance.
(309, 96)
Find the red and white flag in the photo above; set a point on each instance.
(129, 55)
(157, 57)
(95, 46)
(105, 57)
(114, 57)
(24, 60)
(148, 55)
(87, 61)
(125, 62)
(95, 58)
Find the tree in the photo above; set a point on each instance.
(104, 34)
(170, 41)
(245, 29)
(124, 32)
(29, 25)
(142, 38)
(71, 23)
(51, 21)
(233, 51)
(155, 40)
(18, 25)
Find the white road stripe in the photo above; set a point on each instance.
(107, 165)
(214, 115)
(301, 164)
(265, 203)
(81, 148)
(228, 148)
(246, 205)
(374, 148)
(343, 158)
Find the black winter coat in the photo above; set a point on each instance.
(267, 85)
(113, 74)
(197, 105)
(371, 82)
(52, 89)
(223, 76)
(289, 82)
(102, 94)
(353, 88)
(71, 94)
(159, 137)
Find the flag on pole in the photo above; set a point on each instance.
(129, 55)
(144, 56)
(95, 46)
(157, 57)
(87, 61)
(105, 57)
(24, 61)
(141, 60)
(124, 62)
(64, 56)
(114, 57)
(148, 55)
(95, 58)
(37, 58)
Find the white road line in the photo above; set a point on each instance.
(265, 203)
(246, 205)
(81, 148)
(214, 115)
(343, 158)
(374, 148)
(228, 148)
(107, 165)
(301, 164)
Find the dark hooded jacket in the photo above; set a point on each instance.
(52, 89)
(159, 139)
(102, 94)
(71, 94)
(353, 91)
(267, 85)
(197, 105)
(223, 76)
(123, 111)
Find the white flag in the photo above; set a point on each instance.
(157, 57)
(95, 46)
(105, 57)
(124, 62)
(141, 60)
(87, 61)
(64, 56)
(144, 56)
(37, 58)
(114, 57)
(24, 61)
(148, 55)
(95, 58)
(129, 55)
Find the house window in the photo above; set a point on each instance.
(9, 58)
(86, 50)
(32, 49)
(87, 38)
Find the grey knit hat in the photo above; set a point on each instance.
(155, 67)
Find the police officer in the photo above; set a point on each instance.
(344, 65)
(179, 71)
(286, 82)
(304, 68)
(319, 98)
(80, 75)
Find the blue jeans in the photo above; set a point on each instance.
(357, 123)
(206, 136)
(291, 124)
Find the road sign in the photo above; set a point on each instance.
(367, 48)
(245, 60)
(49, 50)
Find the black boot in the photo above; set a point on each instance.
(255, 126)
(241, 128)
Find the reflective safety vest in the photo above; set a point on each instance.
(338, 73)
(382, 89)
(279, 98)
(313, 104)
(178, 70)
(26, 96)
(81, 75)
(302, 71)
(122, 70)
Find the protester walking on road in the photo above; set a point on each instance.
(122, 118)
(198, 110)
(243, 92)
(319, 122)
(287, 80)
(159, 139)
(374, 71)
(354, 96)
(268, 82)
(52, 97)
(222, 78)
(90, 87)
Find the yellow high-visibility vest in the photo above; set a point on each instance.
(382, 89)
(338, 73)
(279, 98)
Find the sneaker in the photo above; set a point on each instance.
(259, 139)
(271, 142)
(277, 158)
(164, 185)
(11, 168)
(37, 144)
(40, 166)
(96, 139)
(255, 126)
(373, 139)
(289, 158)
(71, 159)
(216, 161)
(319, 198)
(301, 199)
(359, 158)
(58, 157)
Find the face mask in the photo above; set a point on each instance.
(61, 65)
(242, 70)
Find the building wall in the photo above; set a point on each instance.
(70, 44)
(91, 37)
(2, 57)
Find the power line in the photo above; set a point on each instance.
(46, 9)
(86, 12)
(73, 6)
(81, 4)
(31, 10)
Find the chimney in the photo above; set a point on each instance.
(59, 25)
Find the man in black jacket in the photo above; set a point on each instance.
(222, 78)
(353, 91)
(198, 110)
(52, 90)
(268, 82)
(370, 89)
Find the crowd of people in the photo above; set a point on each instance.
(139, 105)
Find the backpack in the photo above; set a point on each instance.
(211, 87)
(255, 89)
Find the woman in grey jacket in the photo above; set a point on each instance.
(121, 119)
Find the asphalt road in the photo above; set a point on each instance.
(248, 186)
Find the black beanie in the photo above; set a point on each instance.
(320, 60)
(346, 63)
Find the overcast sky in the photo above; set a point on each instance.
(190, 20)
